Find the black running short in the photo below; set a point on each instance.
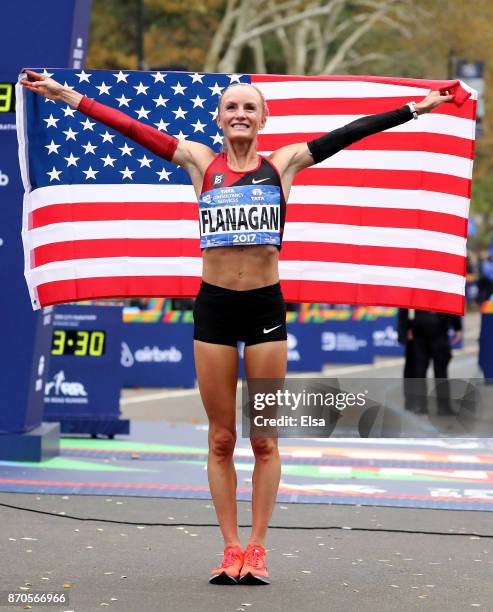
(224, 316)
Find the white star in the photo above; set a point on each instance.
(160, 101)
(71, 160)
(83, 76)
(70, 134)
(234, 78)
(52, 148)
(90, 173)
(180, 113)
(108, 161)
(68, 111)
(120, 76)
(54, 174)
(158, 77)
(126, 150)
(107, 137)
(145, 161)
(46, 73)
(103, 89)
(122, 101)
(198, 127)
(65, 84)
(213, 113)
(198, 102)
(180, 136)
(51, 121)
(196, 78)
(48, 100)
(141, 88)
(127, 173)
(179, 89)
(89, 148)
(161, 125)
(142, 112)
(87, 124)
(217, 139)
(216, 89)
(163, 174)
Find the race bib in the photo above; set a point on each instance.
(240, 215)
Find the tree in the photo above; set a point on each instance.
(311, 36)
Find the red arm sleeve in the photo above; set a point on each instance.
(149, 137)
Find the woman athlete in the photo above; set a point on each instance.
(240, 296)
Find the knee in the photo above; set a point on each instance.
(222, 443)
(264, 448)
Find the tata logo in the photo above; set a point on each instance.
(4, 179)
(257, 192)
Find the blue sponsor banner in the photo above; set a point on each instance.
(157, 355)
(25, 348)
(84, 379)
(347, 342)
(384, 336)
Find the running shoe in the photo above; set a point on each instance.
(229, 570)
(254, 570)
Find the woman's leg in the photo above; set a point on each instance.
(217, 374)
(265, 360)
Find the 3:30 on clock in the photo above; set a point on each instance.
(78, 342)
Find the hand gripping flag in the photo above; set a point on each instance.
(383, 222)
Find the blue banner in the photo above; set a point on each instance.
(157, 355)
(34, 33)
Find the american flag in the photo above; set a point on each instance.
(383, 222)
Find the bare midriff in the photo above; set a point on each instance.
(241, 267)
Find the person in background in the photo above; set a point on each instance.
(485, 282)
(425, 335)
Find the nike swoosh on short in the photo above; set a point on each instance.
(267, 331)
(254, 181)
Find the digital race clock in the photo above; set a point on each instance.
(78, 342)
(7, 97)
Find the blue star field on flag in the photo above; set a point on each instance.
(72, 149)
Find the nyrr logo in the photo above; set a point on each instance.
(4, 179)
(217, 180)
(62, 388)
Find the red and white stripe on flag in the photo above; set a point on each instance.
(383, 222)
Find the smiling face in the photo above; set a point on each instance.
(241, 113)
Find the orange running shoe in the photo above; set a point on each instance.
(254, 570)
(229, 570)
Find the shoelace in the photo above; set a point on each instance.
(230, 557)
(254, 557)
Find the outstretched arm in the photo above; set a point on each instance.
(293, 158)
(193, 156)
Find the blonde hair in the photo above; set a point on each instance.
(265, 108)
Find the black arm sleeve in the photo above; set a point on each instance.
(339, 139)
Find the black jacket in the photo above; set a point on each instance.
(426, 322)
